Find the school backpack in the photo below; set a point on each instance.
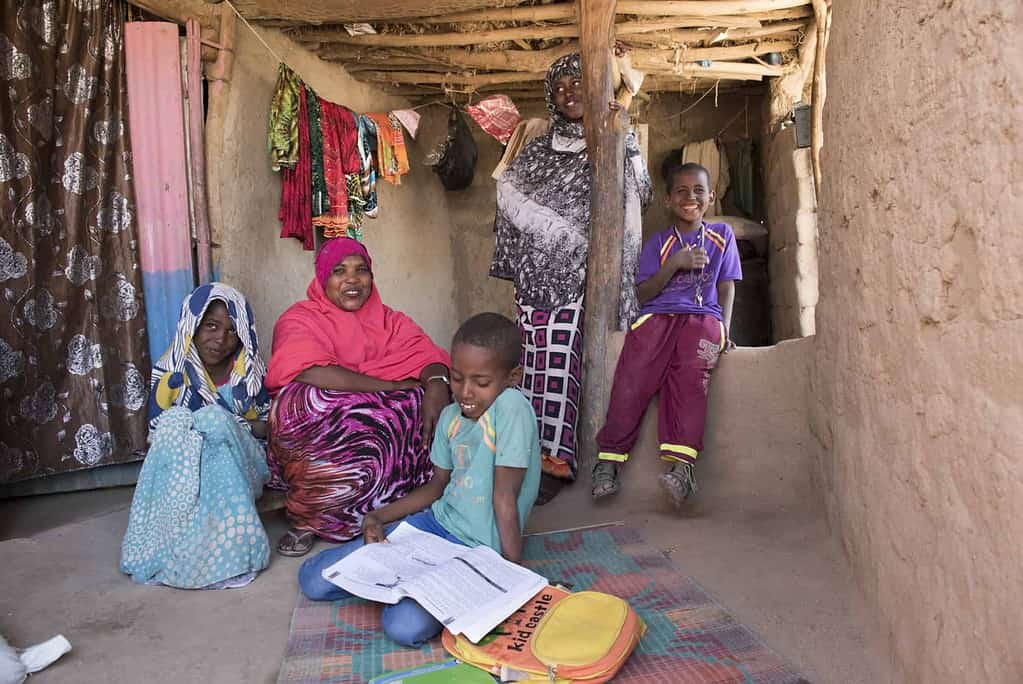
(557, 637)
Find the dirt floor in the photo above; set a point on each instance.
(781, 575)
(754, 537)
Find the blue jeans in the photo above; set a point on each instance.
(406, 622)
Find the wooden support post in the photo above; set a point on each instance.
(822, 14)
(605, 145)
(197, 154)
(219, 76)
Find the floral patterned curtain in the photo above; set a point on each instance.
(73, 357)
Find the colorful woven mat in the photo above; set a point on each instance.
(690, 638)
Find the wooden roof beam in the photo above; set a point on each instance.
(345, 11)
(540, 60)
(566, 10)
(460, 38)
(678, 38)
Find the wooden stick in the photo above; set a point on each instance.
(677, 38)
(345, 11)
(822, 14)
(580, 528)
(646, 60)
(197, 152)
(416, 77)
(803, 12)
(605, 143)
(219, 76)
(703, 8)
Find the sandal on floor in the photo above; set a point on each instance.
(679, 483)
(605, 479)
(549, 488)
(296, 543)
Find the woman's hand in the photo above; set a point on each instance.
(436, 398)
(372, 530)
(622, 112)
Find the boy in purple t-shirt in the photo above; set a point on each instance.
(686, 285)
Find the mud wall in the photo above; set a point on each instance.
(410, 242)
(792, 218)
(916, 385)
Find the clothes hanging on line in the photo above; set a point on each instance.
(282, 132)
(340, 162)
(296, 185)
(392, 158)
(330, 158)
(497, 115)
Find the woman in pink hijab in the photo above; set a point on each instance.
(357, 391)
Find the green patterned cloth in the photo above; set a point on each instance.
(282, 131)
(321, 202)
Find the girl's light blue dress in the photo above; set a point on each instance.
(193, 520)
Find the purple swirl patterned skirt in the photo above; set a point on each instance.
(343, 454)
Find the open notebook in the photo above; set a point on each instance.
(469, 590)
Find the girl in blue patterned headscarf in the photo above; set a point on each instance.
(193, 521)
(180, 377)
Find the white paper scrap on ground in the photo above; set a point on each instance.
(16, 665)
(45, 654)
(469, 590)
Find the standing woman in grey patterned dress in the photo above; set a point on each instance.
(542, 225)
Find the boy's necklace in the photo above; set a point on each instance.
(699, 243)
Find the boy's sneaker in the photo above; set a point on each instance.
(679, 483)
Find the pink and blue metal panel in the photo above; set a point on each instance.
(157, 126)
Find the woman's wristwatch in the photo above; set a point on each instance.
(442, 378)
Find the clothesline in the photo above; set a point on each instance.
(282, 60)
(258, 37)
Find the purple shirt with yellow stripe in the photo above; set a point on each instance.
(679, 295)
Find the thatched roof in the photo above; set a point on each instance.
(423, 47)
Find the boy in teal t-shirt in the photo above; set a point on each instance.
(486, 475)
(504, 436)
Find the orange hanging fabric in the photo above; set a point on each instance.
(392, 158)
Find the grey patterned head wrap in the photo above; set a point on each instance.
(569, 65)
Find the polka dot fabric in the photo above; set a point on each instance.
(193, 519)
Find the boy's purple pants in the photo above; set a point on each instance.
(672, 354)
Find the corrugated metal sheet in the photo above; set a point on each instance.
(161, 179)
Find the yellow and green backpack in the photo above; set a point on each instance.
(557, 637)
